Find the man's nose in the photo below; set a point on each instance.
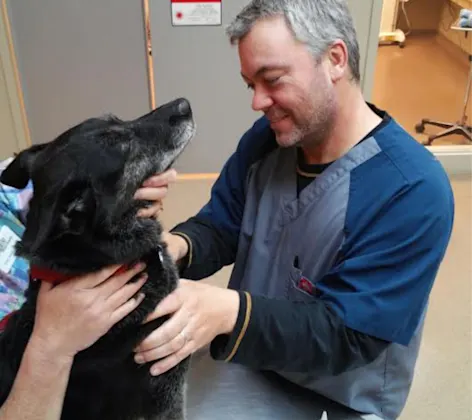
(261, 100)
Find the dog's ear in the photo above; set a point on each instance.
(68, 213)
(18, 172)
(76, 208)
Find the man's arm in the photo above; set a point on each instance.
(212, 235)
(375, 295)
(39, 389)
(205, 247)
(272, 334)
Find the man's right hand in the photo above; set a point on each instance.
(73, 315)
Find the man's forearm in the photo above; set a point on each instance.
(209, 248)
(280, 335)
(39, 388)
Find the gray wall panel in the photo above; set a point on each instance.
(79, 59)
(197, 62)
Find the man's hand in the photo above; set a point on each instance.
(200, 313)
(75, 314)
(155, 189)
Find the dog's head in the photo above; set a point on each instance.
(83, 211)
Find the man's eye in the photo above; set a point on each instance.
(272, 80)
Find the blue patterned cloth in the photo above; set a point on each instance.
(14, 271)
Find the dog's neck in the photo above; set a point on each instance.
(73, 255)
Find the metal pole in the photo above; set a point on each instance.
(467, 92)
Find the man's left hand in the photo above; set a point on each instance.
(155, 189)
(200, 312)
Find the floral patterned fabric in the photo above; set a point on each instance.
(14, 271)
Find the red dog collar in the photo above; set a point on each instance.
(48, 275)
(55, 277)
(3, 322)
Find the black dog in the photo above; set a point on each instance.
(82, 217)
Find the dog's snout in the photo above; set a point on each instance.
(173, 112)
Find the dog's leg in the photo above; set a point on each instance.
(178, 409)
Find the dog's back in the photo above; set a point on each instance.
(82, 217)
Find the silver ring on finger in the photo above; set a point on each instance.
(184, 336)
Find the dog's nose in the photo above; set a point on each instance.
(182, 107)
(180, 110)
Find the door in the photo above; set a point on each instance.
(13, 129)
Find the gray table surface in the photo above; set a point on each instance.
(219, 390)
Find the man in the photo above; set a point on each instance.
(336, 221)
(335, 218)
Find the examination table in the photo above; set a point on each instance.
(227, 391)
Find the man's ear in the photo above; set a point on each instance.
(18, 172)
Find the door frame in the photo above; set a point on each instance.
(12, 80)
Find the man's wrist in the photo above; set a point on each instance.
(231, 310)
(233, 329)
(177, 245)
(182, 246)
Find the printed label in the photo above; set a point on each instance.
(192, 12)
(8, 239)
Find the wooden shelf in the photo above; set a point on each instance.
(458, 28)
(455, 26)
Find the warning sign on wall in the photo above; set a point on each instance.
(196, 12)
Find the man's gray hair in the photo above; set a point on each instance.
(317, 23)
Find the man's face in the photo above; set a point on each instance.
(290, 87)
